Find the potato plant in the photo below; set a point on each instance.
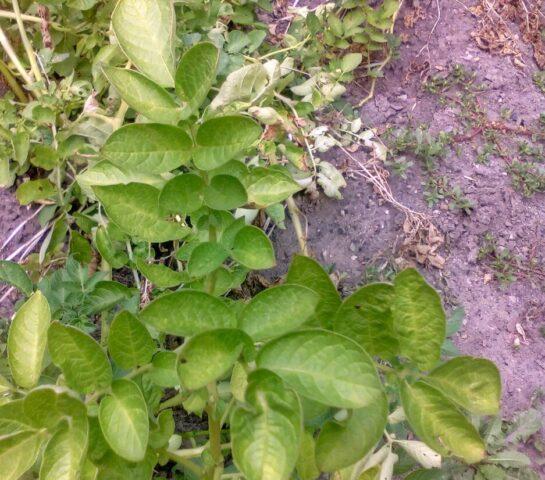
(292, 383)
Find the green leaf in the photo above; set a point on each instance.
(14, 274)
(144, 95)
(266, 186)
(309, 273)
(134, 208)
(225, 192)
(148, 148)
(243, 85)
(106, 173)
(266, 435)
(64, 454)
(83, 362)
(34, 190)
(423, 474)
(325, 367)
(205, 258)
(160, 275)
(105, 295)
(182, 194)
(196, 74)
(472, 383)
(113, 467)
(306, 463)
(164, 372)
(366, 317)
(145, 31)
(220, 348)
(341, 444)
(438, 422)
(45, 157)
(278, 310)
(187, 312)
(13, 418)
(419, 319)
(129, 342)
(350, 62)
(162, 429)
(123, 418)
(18, 452)
(27, 340)
(80, 249)
(253, 249)
(510, 458)
(49, 405)
(220, 139)
(107, 250)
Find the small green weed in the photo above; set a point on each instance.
(502, 262)
(539, 80)
(527, 177)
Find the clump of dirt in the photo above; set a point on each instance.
(361, 235)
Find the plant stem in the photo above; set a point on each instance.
(131, 258)
(214, 425)
(287, 49)
(298, 227)
(173, 401)
(14, 58)
(26, 42)
(212, 277)
(32, 18)
(185, 462)
(15, 87)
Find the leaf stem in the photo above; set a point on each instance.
(131, 258)
(26, 42)
(287, 49)
(185, 462)
(31, 18)
(6, 45)
(298, 227)
(173, 401)
(12, 82)
(214, 425)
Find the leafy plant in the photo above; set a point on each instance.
(286, 380)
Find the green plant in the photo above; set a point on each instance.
(539, 80)
(502, 262)
(527, 177)
(282, 384)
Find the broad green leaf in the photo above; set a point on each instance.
(253, 249)
(438, 422)
(106, 173)
(325, 367)
(278, 310)
(45, 157)
(80, 249)
(89, 471)
(182, 194)
(145, 31)
(27, 339)
(205, 258)
(107, 250)
(225, 192)
(34, 190)
(220, 348)
(148, 148)
(105, 295)
(419, 319)
(266, 186)
(187, 312)
(129, 342)
(220, 139)
(160, 275)
(196, 74)
(13, 418)
(473, 383)
(49, 405)
(341, 444)
(14, 274)
(64, 454)
(266, 436)
(164, 371)
(123, 418)
(144, 95)
(366, 317)
(18, 452)
(162, 429)
(309, 273)
(113, 467)
(134, 208)
(510, 458)
(306, 463)
(80, 357)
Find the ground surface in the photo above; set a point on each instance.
(359, 233)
